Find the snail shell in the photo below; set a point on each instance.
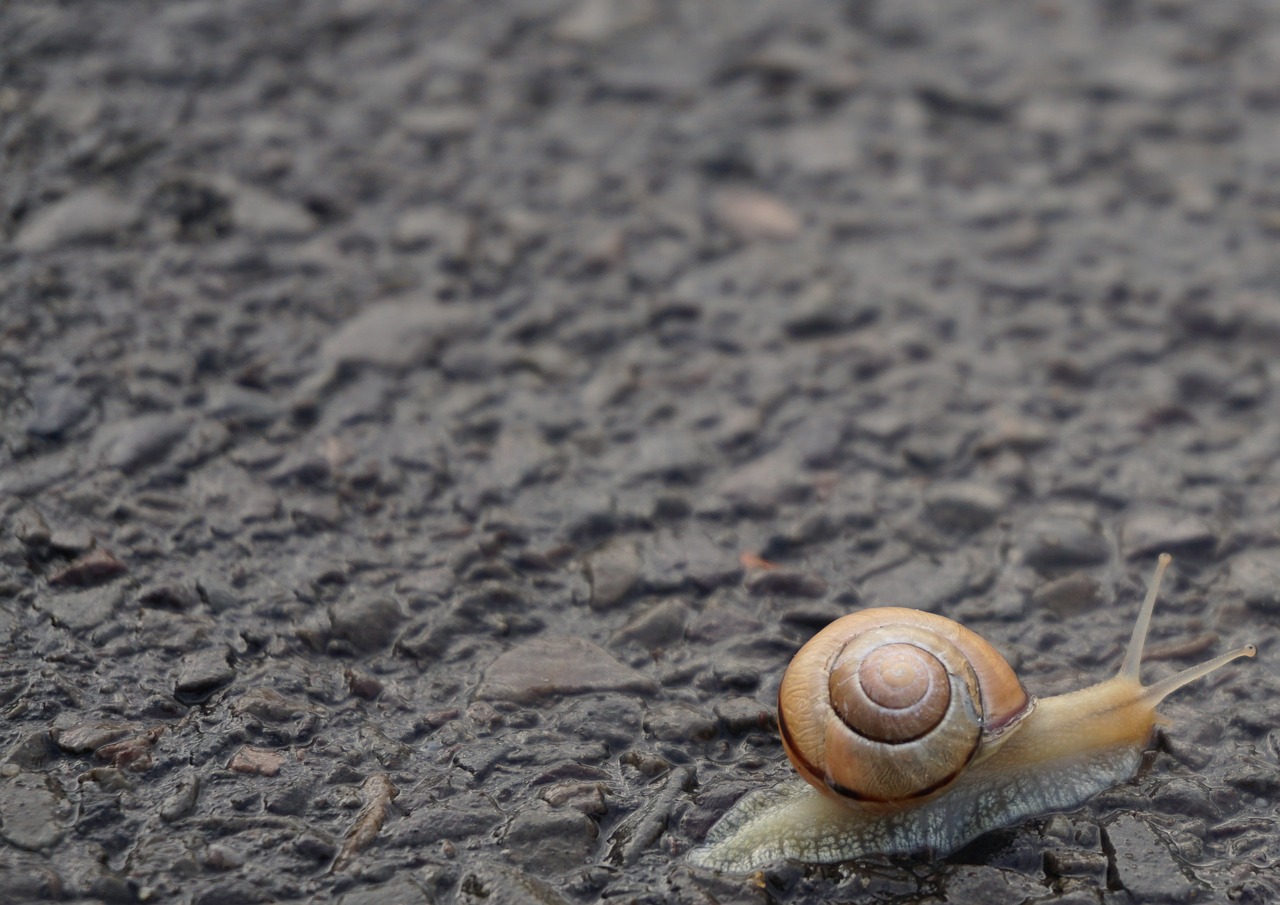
(891, 704)
(911, 732)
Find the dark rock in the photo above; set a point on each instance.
(496, 884)
(550, 840)
(1064, 541)
(135, 442)
(784, 583)
(401, 889)
(202, 673)
(366, 623)
(56, 408)
(1144, 865)
(85, 737)
(676, 722)
(612, 571)
(458, 818)
(87, 215)
(557, 665)
(921, 582)
(95, 567)
(29, 527)
(1068, 596)
(1166, 531)
(32, 811)
(79, 611)
(658, 626)
(1257, 576)
(963, 506)
(397, 334)
(741, 715)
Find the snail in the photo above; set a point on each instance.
(911, 733)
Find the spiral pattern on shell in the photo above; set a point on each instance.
(891, 704)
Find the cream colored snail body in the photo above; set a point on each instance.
(911, 733)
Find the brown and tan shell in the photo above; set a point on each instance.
(891, 704)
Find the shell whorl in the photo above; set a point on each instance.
(890, 704)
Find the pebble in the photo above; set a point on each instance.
(785, 583)
(31, 811)
(93, 568)
(1256, 574)
(79, 611)
(87, 215)
(30, 528)
(265, 215)
(922, 582)
(549, 840)
(56, 408)
(1064, 541)
(1166, 531)
(404, 890)
(657, 626)
(740, 715)
(963, 506)
(71, 540)
(612, 572)
(86, 737)
(557, 665)
(202, 673)
(437, 227)
(257, 761)
(134, 442)
(367, 623)
(1144, 866)
(676, 722)
(397, 334)
(492, 883)
(752, 214)
(687, 558)
(584, 797)
(1068, 596)
(458, 818)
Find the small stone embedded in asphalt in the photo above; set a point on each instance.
(963, 505)
(1143, 863)
(83, 738)
(87, 215)
(57, 407)
(367, 623)
(784, 583)
(548, 839)
(202, 673)
(751, 214)
(1061, 541)
(135, 442)
(1166, 531)
(1068, 596)
(677, 722)
(658, 625)
(397, 333)
(93, 568)
(32, 811)
(612, 571)
(79, 611)
(257, 761)
(556, 665)
(29, 527)
(1257, 575)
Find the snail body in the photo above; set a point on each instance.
(911, 733)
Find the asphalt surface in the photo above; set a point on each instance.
(427, 430)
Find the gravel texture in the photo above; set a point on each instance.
(401, 404)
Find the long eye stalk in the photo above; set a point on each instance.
(1156, 693)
